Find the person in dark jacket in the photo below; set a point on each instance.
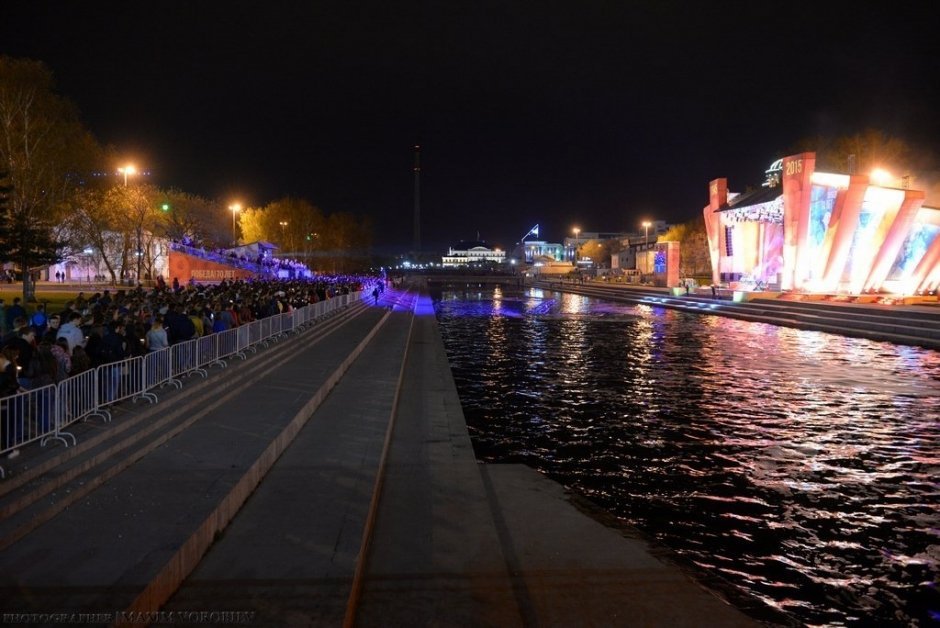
(113, 343)
(25, 344)
(14, 311)
(178, 326)
(112, 350)
(12, 412)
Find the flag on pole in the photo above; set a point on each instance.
(533, 231)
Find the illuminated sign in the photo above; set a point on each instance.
(773, 174)
(659, 261)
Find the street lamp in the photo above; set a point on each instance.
(235, 207)
(283, 224)
(646, 225)
(129, 169)
(576, 231)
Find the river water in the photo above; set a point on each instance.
(797, 468)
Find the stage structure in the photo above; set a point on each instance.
(822, 232)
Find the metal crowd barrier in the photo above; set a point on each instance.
(28, 417)
(44, 414)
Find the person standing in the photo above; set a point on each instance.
(60, 350)
(72, 332)
(12, 411)
(54, 322)
(156, 337)
(113, 350)
(178, 326)
(39, 320)
(44, 375)
(15, 311)
(80, 360)
(25, 344)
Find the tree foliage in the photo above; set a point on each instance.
(191, 217)
(869, 149)
(694, 258)
(53, 210)
(336, 242)
(346, 242)
(297, 237)
(45, 151)
(598, 251)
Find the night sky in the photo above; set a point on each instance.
(595, 114)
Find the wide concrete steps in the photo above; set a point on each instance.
(292, 551)
(128, 543)
(48, 480)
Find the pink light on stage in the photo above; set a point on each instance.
(881, 205)
(824, 233)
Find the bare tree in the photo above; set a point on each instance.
(44, 149)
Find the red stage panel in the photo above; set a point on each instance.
(185, 267)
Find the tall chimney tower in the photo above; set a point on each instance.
(417, 225)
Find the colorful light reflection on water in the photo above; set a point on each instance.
(799, 467)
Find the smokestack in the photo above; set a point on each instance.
(417, 225)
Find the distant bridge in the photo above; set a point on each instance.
(469, 279)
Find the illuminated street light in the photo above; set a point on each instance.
(235, 207)
(129, 169)
(577, 231)
(646, 225)
(881, 176)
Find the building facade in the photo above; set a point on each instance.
(472, 254)
(530, 250)
(823, 232)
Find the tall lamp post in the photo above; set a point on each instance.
(646, 225)
(235, 207)
(129, 169)
(283, 224)
(576, 231)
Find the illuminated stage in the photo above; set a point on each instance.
(815, 233)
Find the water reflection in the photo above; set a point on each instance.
(798, 466)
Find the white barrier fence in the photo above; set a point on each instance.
(43, 414)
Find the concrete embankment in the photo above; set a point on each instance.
(917, 325)
(282, 475)
(455, 543)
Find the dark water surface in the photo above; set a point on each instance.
(799, 467)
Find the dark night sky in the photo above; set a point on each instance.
(599, 114)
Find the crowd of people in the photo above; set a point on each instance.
(47, 347)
